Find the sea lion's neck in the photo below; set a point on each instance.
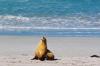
(43, 44)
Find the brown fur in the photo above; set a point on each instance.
(41, 50)
(50, 55)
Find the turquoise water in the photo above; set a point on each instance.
(50, 17)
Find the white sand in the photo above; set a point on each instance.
(17, 51)
(67, 61)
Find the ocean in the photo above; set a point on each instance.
(50, 17)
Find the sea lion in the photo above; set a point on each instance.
(41, 50)
(50, 55)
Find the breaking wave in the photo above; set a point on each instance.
(63, 22)
(64, 25)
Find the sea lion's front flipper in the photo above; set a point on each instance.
(34, 58)
(42, 59)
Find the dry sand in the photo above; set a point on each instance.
(22, 60)
(17, 51)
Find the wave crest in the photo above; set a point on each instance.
(65, 22)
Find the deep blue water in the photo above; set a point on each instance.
(50, 17)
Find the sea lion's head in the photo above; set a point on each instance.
(44, 39)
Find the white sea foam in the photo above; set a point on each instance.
(67, 22)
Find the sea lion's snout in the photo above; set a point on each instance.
(43, 38)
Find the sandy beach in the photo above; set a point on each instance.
(21, 60)
(70, 51)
